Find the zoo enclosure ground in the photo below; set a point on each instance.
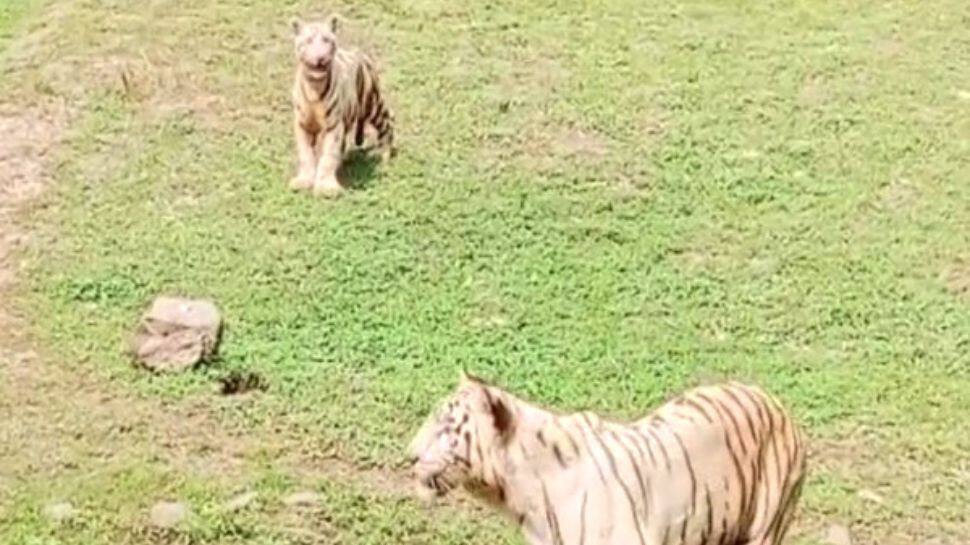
(597, 205)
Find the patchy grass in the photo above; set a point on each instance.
(112, 507)
(597, 205)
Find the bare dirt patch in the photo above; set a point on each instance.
(899, 196)
(56, 418)
(28, 137)
(578, 142)
(814, 91)
(956, 278)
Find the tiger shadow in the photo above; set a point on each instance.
(357, 172)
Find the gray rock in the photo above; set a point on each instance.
(837, 534)
(167, 514)
(59, 512)
(177, 334)
(299, 499)
(241, 501)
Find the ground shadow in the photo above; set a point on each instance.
(358, 169)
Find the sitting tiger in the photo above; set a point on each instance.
(720, 465)
(336, 93)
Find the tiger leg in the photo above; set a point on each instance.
(331, 154)
(306, 156)
(384, 125)
(775, 531)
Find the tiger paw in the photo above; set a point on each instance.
(387, 153)
(327, 188)
(300, 183)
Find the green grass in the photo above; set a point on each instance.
(782, 197)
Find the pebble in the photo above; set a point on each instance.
(302, 499)
(60, 511)
(241, 501)
(837, 534)
(167, 514)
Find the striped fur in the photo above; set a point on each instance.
(719, 465)
(336, 101)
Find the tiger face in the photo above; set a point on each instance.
(315, 44)
(449, 450)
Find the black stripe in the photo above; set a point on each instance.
(734, 422)
(551, 519)
(359, 134)
(635, 464)
(361, 83)
(690, 472)
(635, 439)
(785, 522)
(331, 106)
(558, 454)
(619, 479)
(572, 440)
(646, 442)
(663, 450)
(734, 459)
(773, 480)
(582, 519)
(758, 405)
(781, 508)
(328, 88)
(599, 470)
(376, 106)
(709, 529)
(386, 128)
(744, 411)
(700, 408)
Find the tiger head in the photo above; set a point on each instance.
(465, 430)
(315, 44)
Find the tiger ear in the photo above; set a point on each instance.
(502, 417)
(333, 23)
(296, 25)
(467, 378)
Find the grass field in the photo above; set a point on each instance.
(595, 204)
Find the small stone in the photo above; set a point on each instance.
(871, 496)
(837, 534)
(302, 499)
(166, 514)
(241, 501)
(59, 512)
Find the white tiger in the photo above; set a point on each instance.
(335, 94)
(719, 465)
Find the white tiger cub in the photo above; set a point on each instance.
(719, 465)
(336, 93)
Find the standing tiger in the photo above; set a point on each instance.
(336, 94)
(719, 465)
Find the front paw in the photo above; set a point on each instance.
(301, 182)
(327, 187)
(387, 153)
